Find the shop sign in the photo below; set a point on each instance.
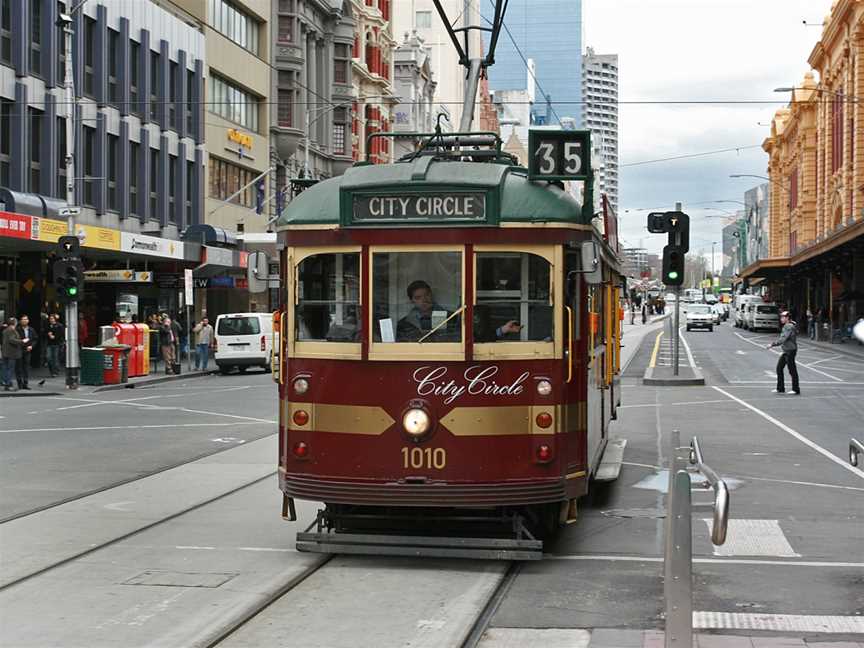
(222, 282)
(151, 246)
(118, 276)
(15, 225)
(239, 137)
(101, 238)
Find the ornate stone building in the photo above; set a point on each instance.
(817, 181)
(372, 66)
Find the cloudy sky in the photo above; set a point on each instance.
(697, 50)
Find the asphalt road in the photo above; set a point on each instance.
(176, 558)
(57, 448)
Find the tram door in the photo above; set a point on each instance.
(597, 367)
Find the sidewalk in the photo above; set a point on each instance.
(42, 384)
(851, 348)
(655, 639)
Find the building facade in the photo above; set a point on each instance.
(816, 241)
(600, 114)
(138, 136)
(757, 224)
(421, 16)
(550, 32)
(372, 66)
(415, 87)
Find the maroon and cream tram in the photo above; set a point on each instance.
(447, 353)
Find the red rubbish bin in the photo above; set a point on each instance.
(116, 369)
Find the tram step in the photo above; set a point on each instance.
(400, 545)
(610, 465)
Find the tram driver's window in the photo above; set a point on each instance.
(513, 299)
(328, 298)
(417, 297)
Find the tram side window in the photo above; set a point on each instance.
(328, 298)
(513, 299)
(417, 296)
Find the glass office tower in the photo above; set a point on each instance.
(550, 32)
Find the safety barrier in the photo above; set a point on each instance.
(678, 558)
(855, 448)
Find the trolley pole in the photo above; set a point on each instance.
(676, 332)
(73, 362)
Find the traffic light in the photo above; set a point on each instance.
(259, 196)
(676, 223)
(673, 265)
(68, 247)
(69, 280)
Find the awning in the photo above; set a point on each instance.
(209, 235)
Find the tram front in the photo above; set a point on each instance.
(431, 346)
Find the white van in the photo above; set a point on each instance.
(244, 340)
(738, 306)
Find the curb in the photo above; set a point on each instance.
(27, 394)
(833, 348)
(153, 381)
(673, 381)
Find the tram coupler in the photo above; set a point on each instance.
(289, 513)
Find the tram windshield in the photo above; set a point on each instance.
(417, 297)
(328, 298)
(513, 299)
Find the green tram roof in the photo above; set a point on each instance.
(511, 197)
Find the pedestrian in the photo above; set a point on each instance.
(167, 342)
(28, 337)
(83, 330)
(178, 339)
(644, 312)
(811, 322)
(203, 341)
(788, 344)
(12, 349)
(55, 333)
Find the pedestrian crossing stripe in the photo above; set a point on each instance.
(753, 538)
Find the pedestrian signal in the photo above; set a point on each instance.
(69, 280)
(673, 265)
(68, 247)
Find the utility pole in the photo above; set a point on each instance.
(677, 324)
(73, 362)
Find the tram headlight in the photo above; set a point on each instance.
(301, 386)
(416, 422)
(544, 387)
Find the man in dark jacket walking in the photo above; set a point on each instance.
(55, 333)
(22, 365)
(788, 343)
(12, 349)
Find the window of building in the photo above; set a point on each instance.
(89, 166)
(340, 128)
(89, 55)
(154, 181)
(36, 38)
(5, 141)
(190, 190)
(61, 157)
(341, 60)
(6, 31)
(837, 132)
(423, 19)
(113, 147)
(286, 29)
(234, 104)
(285, 99)
(235, 24)
(113, 62)
(173, 71)
(190, 94)
(61, 52)
(172, 186)
(36, 126)
(133, 177)
(226, 179)
(134, 55)
(154, 84)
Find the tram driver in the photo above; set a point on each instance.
(425, 313)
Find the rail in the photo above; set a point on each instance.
(678, 555)
(855, 448)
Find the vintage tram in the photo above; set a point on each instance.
(448, 349)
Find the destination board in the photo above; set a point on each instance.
(463, 206)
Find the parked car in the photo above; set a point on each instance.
(764, 317)
(710, 298)
(699, 316)
(717, 312)
(738, 308)
(244, 340)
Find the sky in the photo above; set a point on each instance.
(697, 50)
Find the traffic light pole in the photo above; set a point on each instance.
(73, 361)
(677, 332)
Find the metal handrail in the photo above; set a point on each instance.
(855, 448)
(721, 494)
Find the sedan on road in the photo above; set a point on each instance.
(700, 316)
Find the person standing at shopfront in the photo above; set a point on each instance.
(55, 334)
(203, 341)
(22, 365)
(12, 348)
(167, 341)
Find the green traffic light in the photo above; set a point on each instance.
(673, 275)
(73, 292)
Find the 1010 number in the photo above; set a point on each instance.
(429, 458)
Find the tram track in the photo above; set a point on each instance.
(475, 634)
(103, 545)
